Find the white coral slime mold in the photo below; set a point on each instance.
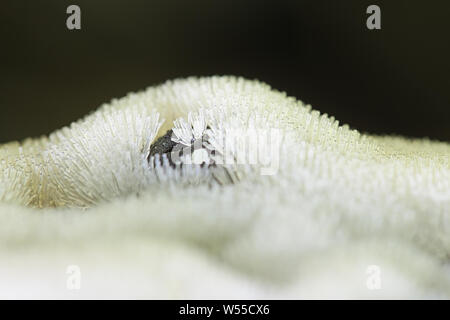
(314, 195)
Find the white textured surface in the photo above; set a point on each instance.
(340, 201)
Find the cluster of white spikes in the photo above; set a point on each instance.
(187, 132)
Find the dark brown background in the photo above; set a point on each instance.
(391, 81)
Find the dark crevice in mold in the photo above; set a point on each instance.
(163, 145)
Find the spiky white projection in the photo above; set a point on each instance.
(320, 208)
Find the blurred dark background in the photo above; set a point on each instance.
(389, 81)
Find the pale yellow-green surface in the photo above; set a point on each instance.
(338, 202)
